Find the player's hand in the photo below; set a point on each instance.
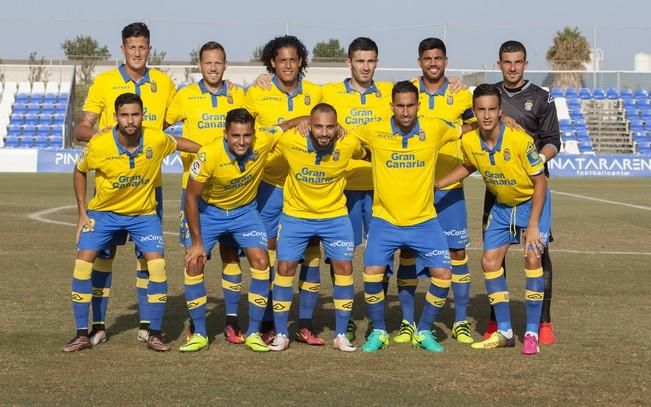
(231, 86)
(263, 81)
(533, 241)
(456, 85)
(436, 185)
(303, 126)
(85, 224)
(511, 123)
(195, 259)
(341, 132)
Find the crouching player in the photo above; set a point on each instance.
(315, 206)
(127, 162)
(513, 171)
(220, 200)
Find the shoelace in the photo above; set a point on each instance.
(406, 329)
(462, 329)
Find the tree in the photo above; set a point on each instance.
(257, 54)
(37, 70)
(85, 51)
(330, 51)
(194, 61)
(570, 52)
(157, 57)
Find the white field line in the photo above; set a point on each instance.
(589, 198)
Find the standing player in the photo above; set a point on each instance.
(439, 102)
(404, 150)
(202, 107)
(514, 173)
(359, 100)
(315, 206)
(220, 199)
(127, 162)
(156, 90)
(289, 97)
(532, 108)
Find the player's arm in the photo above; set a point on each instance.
(263, 81)
(79, 181)
(511, 123)
(532, 239)
(550, 135)
(456, 175)
(187, 146)
(301, 123)
(85, 129)
(195, 256)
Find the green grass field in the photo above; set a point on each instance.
(601, 309)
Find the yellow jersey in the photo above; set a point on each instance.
(314, 188)
(125, 181)
(452, 107)
(232, 182)
(403, 167)
(274, 106)
(507, 168)
(203, 114)
(354, 109)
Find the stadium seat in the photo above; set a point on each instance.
(612, 94)
(43, 129)
(14, 129)
(637, 125)
(585, 93)
(571, 93)
(45, 118)
(17, 118)
(626, 92)
(639, 135)
(598, 94)
(628, 101)
(639, 93)
(567, 135)
(643, 102)
(644, 147)
(572, 147)
(579, 123)
(585, 146)
(57, 129)
(565, 124)
(36, 98)
(556, 92)
(30, 118)
(58, 118)
(573, 103)
(12, 142)
(20, 107)
(632, 112)
(47, 108)
(33, 107)
(40, 142)
(59, 107)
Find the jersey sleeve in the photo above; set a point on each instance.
(94, 101)
(358, 150)
(363, 135)
(448, 131)
(201, 168)
(84, 161)
(169, 145)
(175, 111)
(171, 93)
(531, 161)
(250, 99)
(466, 150)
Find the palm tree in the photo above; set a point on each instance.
(570, 52)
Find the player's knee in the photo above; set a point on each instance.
(490, 263)
(286, 269)
(531, 261)
(457, 254)
(440, 273)
(259, 261)
(342, 268)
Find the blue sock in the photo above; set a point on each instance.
(156, 293)
(81, 292)
(101, 278)
(498, 296)
(142, 280)
(435, 299)
(309, 282)
(282, 302)
(374, 298)
(195, 298)
(534, 298)
(232, 287)
(258, 298)
(460, 288)
(407, 282)
(343, 294)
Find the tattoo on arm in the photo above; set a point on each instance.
(90, 118)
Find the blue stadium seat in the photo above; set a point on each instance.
(612, 94)
(639, 135)
(20, 107)
(14, 129)
(17, 118)
(556, 92)
(62, 98)
(59, 107)
(598, 94)
(644, 147)
(576, 115)
(582, 134)
(567, 135)
(43, 129)
(637, 125)
(565, 124)
(640, 92)
(12, 142)
(36, 98)
(585, 93)
(33, 107)
(645, 115)
(30, 118)
(579, 124)
(628, 101)
(643, 102)
(585, 146)
(57, 130)
(55, 141)
(50, 98)
(45, 118)
(632, 112)
(22, 97)
(41, 142)
(626, 92)
(571, 93)
(47, 108)
(58, 118)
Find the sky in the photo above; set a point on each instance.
(472, 30)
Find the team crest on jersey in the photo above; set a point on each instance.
(229, 99)
(507, 154)
(154, 87)
(450, 100)
(378, 94)
(335, 155)
(307, 99)
(528, 105)
(149, 153)
(201, 157)
(421, 135)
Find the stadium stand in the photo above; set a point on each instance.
(33, 115)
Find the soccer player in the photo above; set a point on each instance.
(315, 206)
(127, 162)
(532, 108)
(359, 100)
(438, 101)
(513, 171)
(404, 152)
(289, 97)
(156, 90)
(219, 200)
(202, 107)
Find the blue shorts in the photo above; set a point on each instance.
(426, 239)
(336, 234)
(184, 230)
(359, 205)
(120, 238)
(145, 230)
(506, 224)
(451, 212)
(243, 223)
(270, 206)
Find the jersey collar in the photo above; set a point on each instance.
(439, 92)
(122, 150)
(144, 79)
(498, 146)
(371, 89)
(319, 153)
(396, 130)
(223, 91)
(241, 162)
(299, 89)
